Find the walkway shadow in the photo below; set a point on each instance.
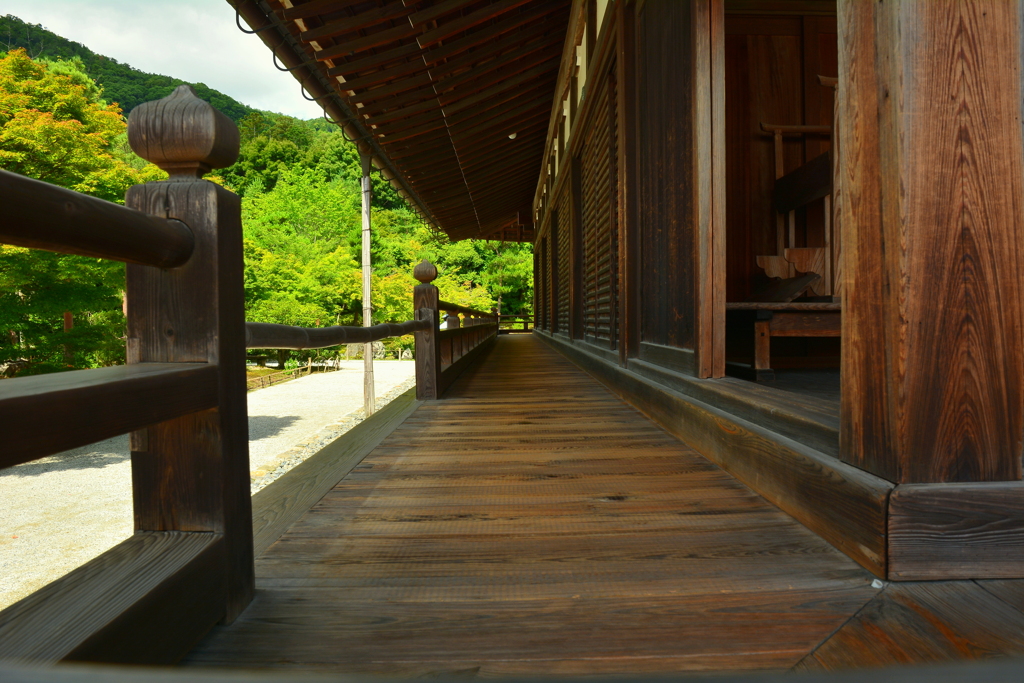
(94, 456)
(266, 426)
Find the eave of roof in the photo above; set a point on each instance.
(433, 90)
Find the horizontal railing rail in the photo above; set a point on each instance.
(455, 308)
(271, 336)
(39, 215)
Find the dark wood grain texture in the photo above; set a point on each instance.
(550, 529)
(933, 350)
(92, 405)
(667, 209)
(192, 473)
(957, 531)
(39, 215)
(930, 622)
(844, 505)
(124, 606)
(280, 504)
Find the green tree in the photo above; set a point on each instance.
(55, 127)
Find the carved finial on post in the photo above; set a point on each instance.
(425, 271)
(183, 135)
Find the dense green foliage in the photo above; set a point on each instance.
(55, 127)
(299, 182)
(301, 214)
(121, 84)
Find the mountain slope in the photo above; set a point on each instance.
(121, 83)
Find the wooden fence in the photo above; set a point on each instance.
(189, 564)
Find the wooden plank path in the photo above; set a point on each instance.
(530, 523)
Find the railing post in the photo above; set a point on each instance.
(192, 474)
(426, 302)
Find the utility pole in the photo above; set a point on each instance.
(368, 397)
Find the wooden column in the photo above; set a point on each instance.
(629, 243)
(192, 473)
(369, 401)
(933, 246)
(425, 304)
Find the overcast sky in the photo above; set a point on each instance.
(194, 40)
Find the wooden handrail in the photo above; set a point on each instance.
(131, 396)
(271, 336)
(39, 215)
(455, 308)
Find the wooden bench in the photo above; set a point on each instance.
(765, 320)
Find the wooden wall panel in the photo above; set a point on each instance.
(933, 240)
(600, 216)
(665, 168)
(563, 218)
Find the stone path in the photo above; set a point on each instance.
(60, 512)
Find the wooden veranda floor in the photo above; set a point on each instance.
(531, 522)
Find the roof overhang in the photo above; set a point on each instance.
(451, 98)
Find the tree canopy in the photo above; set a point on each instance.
(299, 182)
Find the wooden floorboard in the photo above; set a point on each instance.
(529, 523)
(929, 622)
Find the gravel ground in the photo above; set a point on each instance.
(60, 512)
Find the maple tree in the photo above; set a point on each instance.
(55, 127)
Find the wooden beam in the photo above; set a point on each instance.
(439, 9)
(468, 21)
(363, 20)
(499, 90)
(495, 49)
(381, 76)
(316, 7)
(39, 215)
(388, 91)
(132, 396)
(491, 32)
(389, 35)
(471, 114)
(480, 77)
(956, 531)
(93, 613)
(375, 61)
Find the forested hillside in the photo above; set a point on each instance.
(301, 219)
(121, 83)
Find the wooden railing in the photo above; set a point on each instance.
(270, 379)
(520, 322)
(182, 396)
(189, 563)
(442, 355)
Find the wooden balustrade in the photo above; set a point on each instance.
(442, 355)
(508, 323)
(182, 396)
(190, 562)
(269, 336)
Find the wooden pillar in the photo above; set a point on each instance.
(428, 352)
(192, 473)
(625, 165)
(933, 245)
(369, 401)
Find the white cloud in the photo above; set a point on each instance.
(194, 40)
